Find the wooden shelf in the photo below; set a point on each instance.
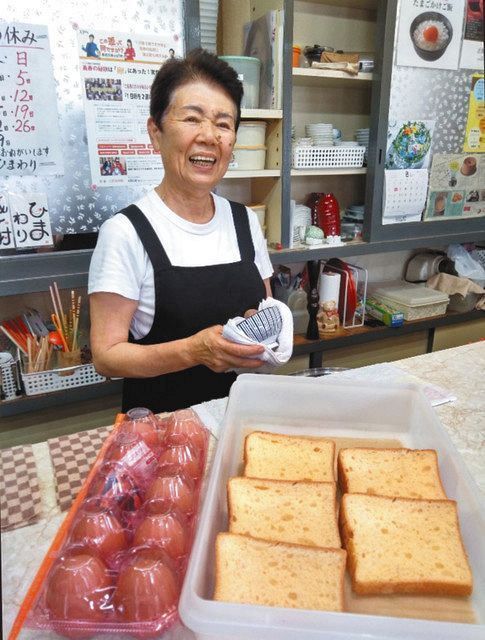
(360, 335)
(296, 173)
(261, 114)
(328, 77)
(26, 404)
(366, 5)
(264, 173)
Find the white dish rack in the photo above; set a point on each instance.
(317, 157)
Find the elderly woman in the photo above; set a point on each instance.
(168, 271)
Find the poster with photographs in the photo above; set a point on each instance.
(117, 71)
(456, 187)
(429, 33)
(472, 47)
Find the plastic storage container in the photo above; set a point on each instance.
(260, 211)
(329, 407)
(249, 158)
(248, 70)
(251, 133)
(414, 301)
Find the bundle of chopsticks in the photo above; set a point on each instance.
(67, 325)
(30, 335)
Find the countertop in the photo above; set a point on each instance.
(459, 370)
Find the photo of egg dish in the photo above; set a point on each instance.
(431, 33)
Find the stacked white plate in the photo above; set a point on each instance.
(321, 133)
(362, 137)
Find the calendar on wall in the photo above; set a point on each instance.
(404, 195)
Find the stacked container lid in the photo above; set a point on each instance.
(413, 300)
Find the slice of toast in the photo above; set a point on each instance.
(401, 473)
(284, 511)
(278, 574)
(281, 457)
(402, 545)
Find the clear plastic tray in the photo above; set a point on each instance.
(327, 407)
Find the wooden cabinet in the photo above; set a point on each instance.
(313, 95)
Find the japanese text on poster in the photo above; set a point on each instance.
(117, 71)
(429, 33)
(31, 224)
(475, 126)
(29, 131)
(6, 230)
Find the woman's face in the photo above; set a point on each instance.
(197, 136)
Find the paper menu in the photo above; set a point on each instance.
(376, 373)
(404, 193)
(415, 48)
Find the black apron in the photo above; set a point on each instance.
(187, 300)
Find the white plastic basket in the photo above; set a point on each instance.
(327, 157)
(8, 377)
(55, 379)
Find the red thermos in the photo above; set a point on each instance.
(312, 202)
(328, 211)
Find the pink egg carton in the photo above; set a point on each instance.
(119, 559)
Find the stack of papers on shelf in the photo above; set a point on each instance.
(263, 39)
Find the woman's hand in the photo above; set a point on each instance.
(208, 347)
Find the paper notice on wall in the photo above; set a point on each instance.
(472, 47)
(6, 229)
(475, 125)
(30, 142)
(430, 39)
(456, 187)
(30, 220)
(404, 195)
(117, 71)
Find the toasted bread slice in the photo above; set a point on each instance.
(402, 545)
(278, 574)
(401, 473)
(282, 457)
(284, 511)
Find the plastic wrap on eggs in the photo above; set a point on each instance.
(120, 566)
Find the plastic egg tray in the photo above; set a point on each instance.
(118, 562)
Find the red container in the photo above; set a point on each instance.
(328, 211)
(312, 202)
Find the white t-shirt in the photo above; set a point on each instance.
(121, 265)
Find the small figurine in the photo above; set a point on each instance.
(327, 317)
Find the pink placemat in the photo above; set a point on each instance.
(72, 457)
(20, 490)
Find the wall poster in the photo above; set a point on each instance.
(430, 38)
(117, 71)
(456, 187)
(409, 144)
(475, 126)
(30, 143)
(472, 47)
